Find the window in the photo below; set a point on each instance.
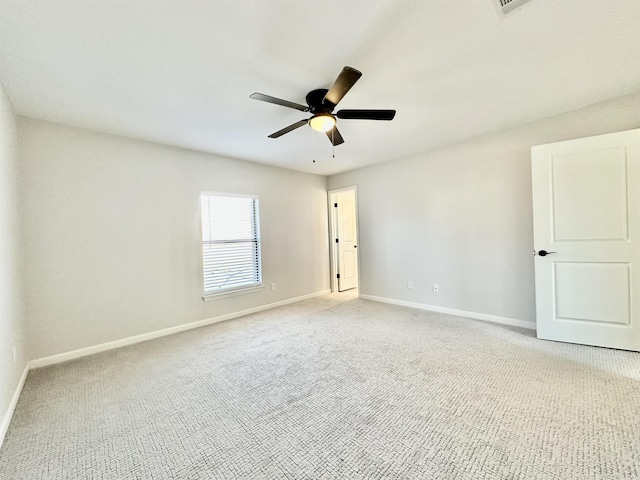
(230, 243)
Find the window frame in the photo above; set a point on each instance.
(234, 290)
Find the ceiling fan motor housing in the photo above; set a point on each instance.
(315, 100)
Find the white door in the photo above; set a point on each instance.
(586, 213)
(347, 243)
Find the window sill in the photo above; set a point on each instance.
(231, 293)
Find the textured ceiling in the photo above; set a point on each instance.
(180, 72)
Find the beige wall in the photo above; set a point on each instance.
(461, 216)
(12, 333)
(112, 231)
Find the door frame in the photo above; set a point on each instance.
(333, 230)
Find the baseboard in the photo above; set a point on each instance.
(6, 420)
(83, 352)
(460, 313)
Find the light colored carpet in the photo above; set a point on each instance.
(333, 388)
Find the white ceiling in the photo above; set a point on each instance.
(180, 72)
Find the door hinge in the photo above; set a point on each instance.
(335, 205)
(337, 241)
(338, 275)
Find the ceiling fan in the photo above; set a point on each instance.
(321, 103)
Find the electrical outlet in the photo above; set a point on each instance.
(409, 284)
(436, 287)
(273, 286)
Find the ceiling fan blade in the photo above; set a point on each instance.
(291, 127)
(366, 114)
(278, 101)
(334, 136)
(347, 78)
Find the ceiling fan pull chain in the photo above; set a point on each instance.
(333, 142)
(313, 142)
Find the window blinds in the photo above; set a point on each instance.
(230, 243)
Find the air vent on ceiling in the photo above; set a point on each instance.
(506, 6)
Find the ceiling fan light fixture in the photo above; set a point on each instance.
(322, 122)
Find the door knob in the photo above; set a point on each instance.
(544, 253)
